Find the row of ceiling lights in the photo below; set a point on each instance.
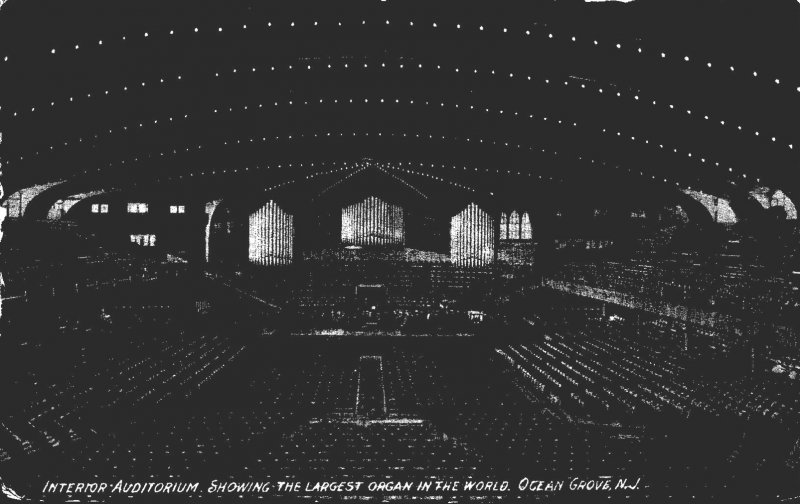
(505, 30)
(630, 93)
(400, 167)
(428, 136)
(359, 167)
(618, 45)
(402, 181)
(291, 102)
(499, 112)
(291, 165)
(663, 55)
(411, 171)
(302, 165)
(356, 169)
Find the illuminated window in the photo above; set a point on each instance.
(137, 208)
(104, 208)
(779, 198)
(767, 199)
(526, 232)
(515, 226)
(144, 240)
(719, 208)
(177, 209)
(95, 208)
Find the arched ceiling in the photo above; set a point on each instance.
(531, 98)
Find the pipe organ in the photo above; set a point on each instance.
(373, 222)
(472, 237)
(271, 236)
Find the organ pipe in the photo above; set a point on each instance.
(271, 236)
(472, 238)
(373, 222)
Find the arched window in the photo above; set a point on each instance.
(515, 226)
(780, 199)
(719, 208)
(526, 232)
(144, 240)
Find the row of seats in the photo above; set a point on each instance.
(600, 368)
(117, 365)
(733, 288)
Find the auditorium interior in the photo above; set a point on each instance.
(402, 241)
